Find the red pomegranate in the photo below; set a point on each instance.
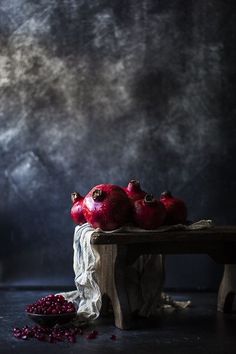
(76, 210)
(175, 207)
(134, 191)
(149, 213)
(107, 207)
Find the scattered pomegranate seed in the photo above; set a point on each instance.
(113, 337)
(91, 336)
(50, 335)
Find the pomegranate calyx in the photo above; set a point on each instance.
(148, 199)
(135, 182)
(166, 194)
(98, 195)
(74, 196)
(133, 186)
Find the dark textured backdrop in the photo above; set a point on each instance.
(104, 91)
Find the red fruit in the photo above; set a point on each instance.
(134, 191)
(107, 207)
(76, 210)
(176, 209)
(149, 213)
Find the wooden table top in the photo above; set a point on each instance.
(215, 233)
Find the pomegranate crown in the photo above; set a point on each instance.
(98, 194)
(74, 196)
(135, 182)
(149, 198)
(166, 194)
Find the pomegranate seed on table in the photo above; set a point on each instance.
(51, 335)
(91, 336)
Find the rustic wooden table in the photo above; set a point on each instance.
(117, 250)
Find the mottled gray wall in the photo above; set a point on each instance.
(104, 91)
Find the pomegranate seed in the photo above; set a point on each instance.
(51, 339)
(60, 297)
(80, 332)
(113, 337)
(92, 335)
(72, 339)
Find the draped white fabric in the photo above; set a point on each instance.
(87, 296)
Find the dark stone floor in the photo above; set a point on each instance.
(199, 329)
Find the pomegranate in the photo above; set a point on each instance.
(134, 191)
(175, 207)
(107, 207)
(149, 213)
(76, 210)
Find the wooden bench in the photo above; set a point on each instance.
(117, 250)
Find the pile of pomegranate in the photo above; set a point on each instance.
(51, 305)
(109, 207)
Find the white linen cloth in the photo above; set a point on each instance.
(145, 276)
(87, 297)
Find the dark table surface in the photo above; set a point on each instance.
(198, 329)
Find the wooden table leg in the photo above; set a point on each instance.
(227, 289)
(111, 273)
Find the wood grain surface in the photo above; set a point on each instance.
(216, 233)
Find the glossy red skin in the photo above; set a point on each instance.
(76, 211)
(134, 191)
(110, 213)
(176, 210)
(149, 216)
